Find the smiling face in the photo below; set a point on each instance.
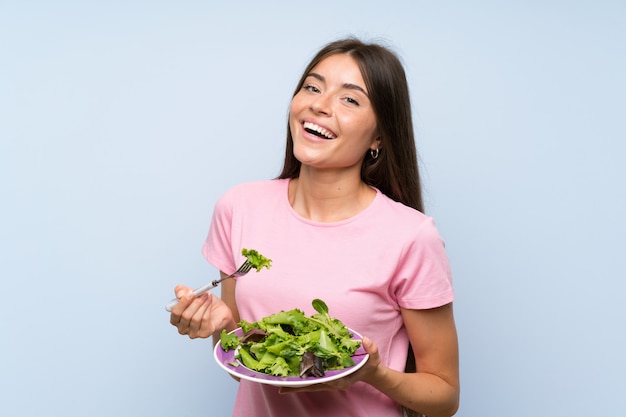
(331, 118)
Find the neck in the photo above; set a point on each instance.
(328, 197)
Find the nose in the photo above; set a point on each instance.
(321, 105)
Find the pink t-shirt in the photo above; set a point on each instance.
(365, 268)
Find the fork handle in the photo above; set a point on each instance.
(199, 291)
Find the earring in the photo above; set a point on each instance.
(374, 153)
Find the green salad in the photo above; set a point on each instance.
(257, 260)
(290, 343)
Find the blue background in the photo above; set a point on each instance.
(122, 122)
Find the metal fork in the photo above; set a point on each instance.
(242, 270)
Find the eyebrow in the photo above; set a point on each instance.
(348, 86)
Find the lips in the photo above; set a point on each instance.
(318, 131)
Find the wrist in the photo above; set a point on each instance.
(378, 377)
(228, 324)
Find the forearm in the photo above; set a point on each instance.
(424, 393)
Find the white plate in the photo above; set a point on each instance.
(226, 360)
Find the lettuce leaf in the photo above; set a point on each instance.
(228, 341)
(290, 334)
(257, 260)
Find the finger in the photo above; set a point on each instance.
(188, 305)
(201, 317)
(179, 288)
(370, 347)
(185, 296)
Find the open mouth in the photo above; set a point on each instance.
(318, 131)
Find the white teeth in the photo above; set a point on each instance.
(318, 129)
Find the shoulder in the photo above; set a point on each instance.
(255, 190)
(252, 197)
(398, 212)
(407, 220)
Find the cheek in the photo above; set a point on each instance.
(364, 128)
(370, 128)
(295, 110)
(293, 122)
(374, 132)
(297, 104)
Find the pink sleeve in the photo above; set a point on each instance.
(424, 279)
(218, 246)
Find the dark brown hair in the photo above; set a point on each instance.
(395, 172)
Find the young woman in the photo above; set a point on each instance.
(343, 222)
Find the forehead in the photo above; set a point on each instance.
(341, 69)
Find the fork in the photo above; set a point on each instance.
(242, 270)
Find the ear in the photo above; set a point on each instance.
(376, 144)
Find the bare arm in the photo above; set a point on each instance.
(434, 389)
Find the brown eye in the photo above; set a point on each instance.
(311, 88)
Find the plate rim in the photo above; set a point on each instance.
(267, 379)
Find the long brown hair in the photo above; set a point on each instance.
(395, 172)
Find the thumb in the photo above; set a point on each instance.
(180, 290)
(369, 346)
